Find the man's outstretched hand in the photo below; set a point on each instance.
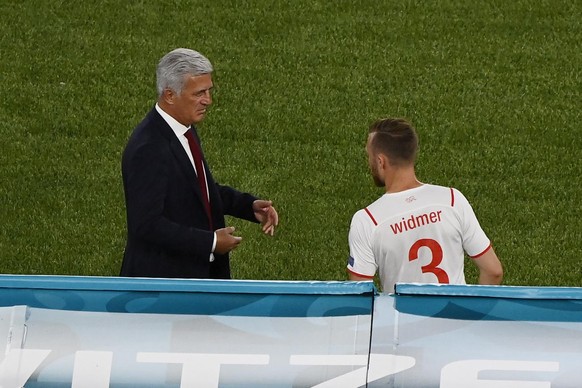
(266, 215)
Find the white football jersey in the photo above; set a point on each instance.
(416, 236)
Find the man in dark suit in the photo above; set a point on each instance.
(175, 209)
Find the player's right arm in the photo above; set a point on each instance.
(361, 263)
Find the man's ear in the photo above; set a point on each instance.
(383, 161)
(168, 96)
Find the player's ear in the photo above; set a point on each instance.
(382, 161)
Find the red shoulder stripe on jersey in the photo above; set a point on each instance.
(360, 275)
(371, 216)
(452, 197)
(482, 253)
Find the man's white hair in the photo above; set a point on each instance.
(176, 65)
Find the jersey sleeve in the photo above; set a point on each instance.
(361, 261)
(475, 241)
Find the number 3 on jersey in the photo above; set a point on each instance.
(437, 257)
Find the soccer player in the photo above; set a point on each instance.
(415, 232)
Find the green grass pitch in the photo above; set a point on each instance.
(493, 88)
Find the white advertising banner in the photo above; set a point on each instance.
(115, 332)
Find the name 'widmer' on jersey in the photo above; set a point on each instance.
(416, 221)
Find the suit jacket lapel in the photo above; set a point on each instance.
(185, 164)
(178, 151)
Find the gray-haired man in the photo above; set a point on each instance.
(175, 209)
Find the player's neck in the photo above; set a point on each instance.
(401, 180)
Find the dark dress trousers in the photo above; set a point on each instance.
(168, 230)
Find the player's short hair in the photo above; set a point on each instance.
(176, 65)
(396, 138)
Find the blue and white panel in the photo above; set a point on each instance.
(116, 332)
(479, 336)
(102, 333)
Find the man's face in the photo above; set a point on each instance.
(191, 104)
(373, 163)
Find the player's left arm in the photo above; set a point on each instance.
(490, 268)
(474, 238)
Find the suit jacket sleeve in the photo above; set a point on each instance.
(237, 204)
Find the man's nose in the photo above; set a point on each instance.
(207, 100)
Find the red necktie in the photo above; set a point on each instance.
(197, 156)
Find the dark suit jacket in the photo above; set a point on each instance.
(168, 233)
